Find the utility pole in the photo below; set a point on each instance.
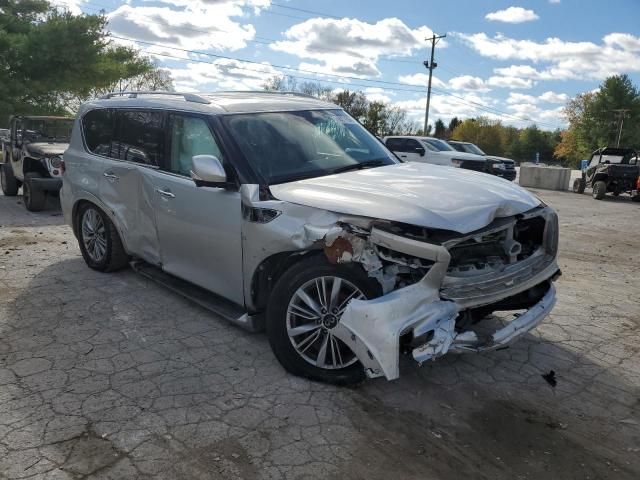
(620, 113)
(430, 66)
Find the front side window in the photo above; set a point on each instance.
(471, 148)
(140, 137)
(288, 146)
(412, 145)
(190, 136)
(98, 128)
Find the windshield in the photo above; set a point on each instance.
(471, 148)
(439, 145)
(48, 129)
(287, 146)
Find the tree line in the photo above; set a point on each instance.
(51, 60)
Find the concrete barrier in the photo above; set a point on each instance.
(550, 178)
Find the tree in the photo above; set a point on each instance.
(48, 56)
(455, 121)
(594, 122)
(440, 129)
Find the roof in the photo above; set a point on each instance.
(615, 151)
(214, 103)
(42, 117)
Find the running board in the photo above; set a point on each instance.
(206, 299)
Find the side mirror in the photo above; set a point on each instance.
(208, 171)
(420, 151)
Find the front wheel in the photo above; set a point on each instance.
(34, 199)
(305, 306)
(579, 185)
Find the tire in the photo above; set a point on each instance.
(599, 190)
(579, 185)
(99, 240)
(33, 199)
(8, 180)
(342, 367)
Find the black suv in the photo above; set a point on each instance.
(611, 170)
(499, 166)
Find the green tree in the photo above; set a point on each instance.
(440, 129)
(48, 56)
(453, 123)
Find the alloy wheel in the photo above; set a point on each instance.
(94, 235)
(313, 312)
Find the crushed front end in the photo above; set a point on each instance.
(440, 284)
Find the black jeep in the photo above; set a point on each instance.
(32, 157)
(611, 170)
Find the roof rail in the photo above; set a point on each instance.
(267, 92)
(189, 97)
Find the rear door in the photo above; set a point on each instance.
(199, 228)
(137, 149)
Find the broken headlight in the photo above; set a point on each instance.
(55, 162)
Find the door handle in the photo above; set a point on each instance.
(110, 176)
(165, 193)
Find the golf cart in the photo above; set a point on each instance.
(611, 170)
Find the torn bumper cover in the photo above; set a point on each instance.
(372, 329)
(429, 309)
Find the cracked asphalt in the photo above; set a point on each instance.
(109, 376)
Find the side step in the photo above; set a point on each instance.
(212, 302)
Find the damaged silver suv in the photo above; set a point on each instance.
(281, 211)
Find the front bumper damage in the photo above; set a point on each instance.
(427, 310)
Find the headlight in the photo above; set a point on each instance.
(56, 162)
(457, 163)
(499, 166)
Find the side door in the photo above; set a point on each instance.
(592, 167)
(199, 228)
(414, 151)
(137, 148)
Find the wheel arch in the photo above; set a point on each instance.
(88, 199)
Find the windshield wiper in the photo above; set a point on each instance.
(358, 166)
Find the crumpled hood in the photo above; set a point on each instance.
(414, 193)
(46, 149)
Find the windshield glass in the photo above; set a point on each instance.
(471, 148)
(48, 129)
(439, 145)
(288, 146)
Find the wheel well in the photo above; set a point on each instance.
(270, 271)
(32, 165)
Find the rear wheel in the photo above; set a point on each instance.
(599, 190)
(8, 180)
(579, 185)
(99, 241)
(33, 198)
(305, 306)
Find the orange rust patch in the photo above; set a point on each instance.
(337, 248)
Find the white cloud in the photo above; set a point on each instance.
(73, 6)
(554, 1)
(350, 47)
(509, 82)
(618, 53)
(468, 82)
(376, 94)
(512, 15)
(515, 98)
(221, 74)
(421, 80)
(193, 25)
(553, 97)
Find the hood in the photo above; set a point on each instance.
(46, 149)
(465, 156)
(414, 193)
(500, 159)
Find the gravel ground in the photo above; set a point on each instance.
(111, 376)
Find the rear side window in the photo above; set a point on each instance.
(396, 144)
(98, 128)
(140, 137)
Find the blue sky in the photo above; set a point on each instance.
(518, 61)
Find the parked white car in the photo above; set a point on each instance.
(282, 211)
(434, 151)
